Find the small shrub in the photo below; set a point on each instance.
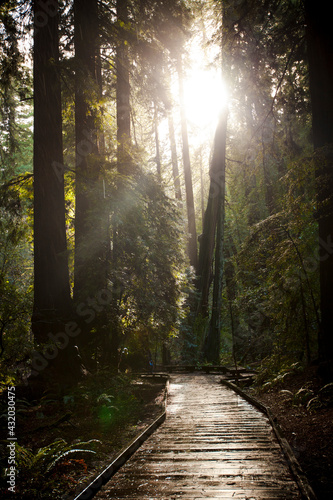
(273, 376)
(287, 395)
(314, 404)
(326, 394)
(303, 396)
(40, 472)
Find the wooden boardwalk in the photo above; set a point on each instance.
(212, 445)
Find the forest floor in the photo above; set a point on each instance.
(134, 406)
(114, 416)
(309, 433)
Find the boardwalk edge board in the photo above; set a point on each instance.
(93, 488)
(301, 479)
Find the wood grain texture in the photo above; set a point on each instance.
(213, 444)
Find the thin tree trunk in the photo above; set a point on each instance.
(306, 326)
(269, 197)
(157, 144)
(192, 242)
(230, 279)
(124, 163)
(302, 264)
(202, 196)
(174, 158)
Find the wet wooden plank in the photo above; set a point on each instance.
(212, 445)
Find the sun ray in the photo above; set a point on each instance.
(205, 96)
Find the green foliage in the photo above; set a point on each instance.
(15, 189)
(271, 202)
(148, 265)
(275, 371)
(45, 459)
(15, 86)
(302, 396)
(278, 271)
(22, 407)
(271, 189)
(110, 398)
(324, 399)
(112, 410)
(314, 404)
(38, 477)
(15, 276)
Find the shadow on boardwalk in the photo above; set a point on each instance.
(212, 445)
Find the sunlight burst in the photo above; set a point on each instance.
(205, 97)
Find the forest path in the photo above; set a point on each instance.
(213, 444)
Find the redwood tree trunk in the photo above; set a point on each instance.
(207, 238)
(124, 163)
(91, 234)
(157, 144)
(87, 168)
(192, 242)
(213, 339)
(174, 159)
(52, 301)
(320, 57)
(51, 279)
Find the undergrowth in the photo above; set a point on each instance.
(62, 433)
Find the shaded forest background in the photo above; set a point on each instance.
(129, 234)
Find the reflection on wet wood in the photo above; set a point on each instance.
(212, 445)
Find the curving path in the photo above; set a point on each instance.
(212, 445)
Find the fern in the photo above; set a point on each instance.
(45, 459)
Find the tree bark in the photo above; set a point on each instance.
(174, 159)
(207, 238)
(91, 220)
(157, 144)
(192, 241)
(51, 278)
(202, 195)
(231, 289)
(213, 339)
(124, 163)
(87, 242)
(52, 302)
(320, 57)
(125, 167)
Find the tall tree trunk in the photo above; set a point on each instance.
(125, 165)
(202, 195)
(157, 144)
(86, 130)
(268, 185)
(174, 158)
(207, 238)
(213, 339)
(90, 218)
(52, 301)
(231, 289)
(320, 57)
(192, 242)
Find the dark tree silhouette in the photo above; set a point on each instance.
(52, 302)
(320, 56)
